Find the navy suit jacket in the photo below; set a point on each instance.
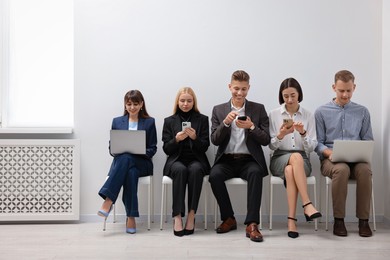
(220, 134)
(147, 124)
(199, 146)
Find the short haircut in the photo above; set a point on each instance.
(240, 75)
(344, 76)
(290, 83)
(185, 90)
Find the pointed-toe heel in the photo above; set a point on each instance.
(188, 232)
(312, 216)
(131, 230)
(179, 233)
(292, 234)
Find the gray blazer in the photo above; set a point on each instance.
(220, 134)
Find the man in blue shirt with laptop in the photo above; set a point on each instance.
(342, 119)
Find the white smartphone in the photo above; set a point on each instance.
(185, 125)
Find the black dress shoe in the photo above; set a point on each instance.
(339, 227)
(227, 225)
(179, 233)
(188, 232)
(364, 228)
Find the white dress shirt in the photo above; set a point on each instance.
(293, 141)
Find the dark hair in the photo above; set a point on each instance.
(344, 76)
(136, 97)
(290, 83)
(240, 75)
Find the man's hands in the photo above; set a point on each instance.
(246, 124)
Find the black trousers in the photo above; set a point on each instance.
(245, 168)
(182, 175)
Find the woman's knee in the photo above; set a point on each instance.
(295, 158)
(288, 171)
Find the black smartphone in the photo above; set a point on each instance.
(241, 118)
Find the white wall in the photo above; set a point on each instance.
(159, 46)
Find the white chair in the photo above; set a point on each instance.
(146, 180)
(311, 180)
(167, 181)
(232, 181)
(328, 182)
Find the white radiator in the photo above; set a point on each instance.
(39, 179)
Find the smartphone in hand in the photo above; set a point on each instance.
(241, 118)
(288, 122)
(185, 125)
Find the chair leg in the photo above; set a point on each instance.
(261, 220)
(315, 204)
(152, 194)
(114, 211)
(149, 201)
(205, 206)
(373, 206)
(271, 192)
(326, 204)
(215, 213)
(166, 204)
(162, 206)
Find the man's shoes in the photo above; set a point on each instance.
(227, 225)
(364, 228)
(339, 227)
(252, 232)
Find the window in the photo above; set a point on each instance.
(37, 64)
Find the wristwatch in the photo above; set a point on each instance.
(252, 127)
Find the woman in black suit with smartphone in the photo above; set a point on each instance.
(186, 140)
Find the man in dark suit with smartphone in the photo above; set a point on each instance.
(239, 128)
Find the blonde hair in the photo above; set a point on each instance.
(185, 90)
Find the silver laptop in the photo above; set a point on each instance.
(352, 151)
(128, 141)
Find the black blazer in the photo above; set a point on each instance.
(220, 134)
(199, 146)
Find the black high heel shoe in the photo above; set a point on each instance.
(312, 216)
(188, 232)
(179, 233)
(292, 234)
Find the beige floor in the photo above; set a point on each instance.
(88, 241)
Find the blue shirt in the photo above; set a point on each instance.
(333, 122)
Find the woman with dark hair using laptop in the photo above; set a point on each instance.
(293, 138)
(126, 168)
(186, 140)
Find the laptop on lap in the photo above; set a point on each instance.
(127, 141)
(352, 151)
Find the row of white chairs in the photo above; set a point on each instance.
(167, 182)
